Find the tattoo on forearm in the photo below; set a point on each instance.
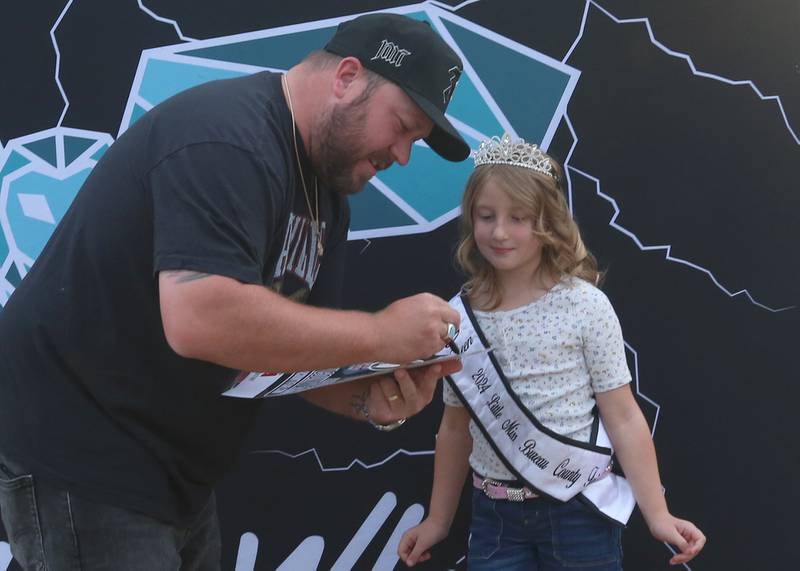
(359, 404)
(183, 276)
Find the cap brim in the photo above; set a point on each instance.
(444, 139)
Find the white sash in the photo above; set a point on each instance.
(552, 464)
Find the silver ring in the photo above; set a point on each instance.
(451, 331)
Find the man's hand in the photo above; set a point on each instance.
(407, 392)
(413, 328)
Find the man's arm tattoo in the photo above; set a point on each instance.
(359, 403)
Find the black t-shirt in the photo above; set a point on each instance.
(92, 397)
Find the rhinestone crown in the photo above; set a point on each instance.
(504, 151)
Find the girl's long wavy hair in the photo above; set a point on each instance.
(543, 199)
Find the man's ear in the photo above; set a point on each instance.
(346, 74)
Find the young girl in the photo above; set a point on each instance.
(543, 496)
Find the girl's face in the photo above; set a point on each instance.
(504, 233)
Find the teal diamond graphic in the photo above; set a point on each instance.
(528, 102)
(40, 174)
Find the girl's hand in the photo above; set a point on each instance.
(681, 533)
(415, 544)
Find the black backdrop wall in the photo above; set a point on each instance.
(679, 123)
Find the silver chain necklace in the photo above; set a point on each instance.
(313, 213)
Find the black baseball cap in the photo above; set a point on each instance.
(412, 55)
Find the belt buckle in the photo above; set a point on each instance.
(515, 494)
(485, 485)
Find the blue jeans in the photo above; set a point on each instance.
(54, 530)
(540, 535)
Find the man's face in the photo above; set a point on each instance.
(364, 135)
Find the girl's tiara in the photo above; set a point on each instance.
(504, 151)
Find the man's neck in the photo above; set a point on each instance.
(295, 89)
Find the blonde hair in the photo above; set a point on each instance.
(543, 199)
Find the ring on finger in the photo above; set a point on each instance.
(392, 398)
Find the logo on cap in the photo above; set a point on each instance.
(447, 93)
(391, 53)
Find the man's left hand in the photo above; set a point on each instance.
(406, 392)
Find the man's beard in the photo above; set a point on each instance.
(339, 143)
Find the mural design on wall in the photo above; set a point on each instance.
(571, 169)
(40, 174)
(309, 551)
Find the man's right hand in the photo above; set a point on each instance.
(414, 328)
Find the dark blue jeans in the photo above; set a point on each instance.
(540, 535)
(53, 530)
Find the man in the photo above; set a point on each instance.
(150, 297)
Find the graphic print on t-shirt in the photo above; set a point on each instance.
(298, 265)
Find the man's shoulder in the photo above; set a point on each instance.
(243, 111)
(224, 96)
